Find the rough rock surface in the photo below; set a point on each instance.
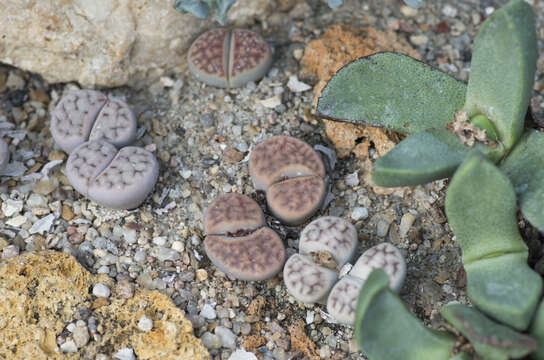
(104, 42)
(40, 294)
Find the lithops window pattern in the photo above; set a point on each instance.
(117, 179)
(229, 57)
(238, 242)
(90, 115)
(293, 176)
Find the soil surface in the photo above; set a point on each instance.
(202, 137)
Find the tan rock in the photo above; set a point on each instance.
(105, 42)
(41, 293)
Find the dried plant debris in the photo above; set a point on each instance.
(238, 242)
(306, 281)
(227, 57)
(117, 179)
(343, 297)
(4, 154)
(332, 235)
(467, 132)
(90, 115)
(293, 176)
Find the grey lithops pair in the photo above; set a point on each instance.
(325, 245)
(4, 154)
(293, 176)
(227, 57)
(238, 241)
(342, 300)
(95, 130)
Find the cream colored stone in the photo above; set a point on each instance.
(41, 293)
(105, 42)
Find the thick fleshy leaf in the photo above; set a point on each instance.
(505, 288)
(425, 156)
(525, 168)
(491, 340)
(393, 91)
(503, 69)
(462, 356)
(385, 329)
(481, 210)
(537, 331)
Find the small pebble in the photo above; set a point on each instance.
(201, 274)
(419, 40)
(359, 213)
(81, 336)
(242, 355)
(69, 347)
(101, 290)
(10, 251)
(210, 341)
(208, 312)
(124, 289)
(228, 340)
(124, 354)
(145, 324)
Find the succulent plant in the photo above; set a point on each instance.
(326, 244)
(90, 115)
(342, 300)
(4, 154)
(229, 58)
(237, 240)
(474, 132)
(293, 176)
(120, 179)
(201, 8)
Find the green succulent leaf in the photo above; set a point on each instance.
(525, 168)
(393, 91)
(196, 7)
(462, 356)
(503, 69)
(481, 210)
(537, 331)
(505, 288)
(221, 12)
(491, 340)
(382, 320)
(425, 156)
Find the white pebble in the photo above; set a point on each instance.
(359, 213)
(242, 355)
(228, 340)
(145, 324)
(179, 246)
(11, 207)
(101, 290)
(124, 354)
(352, 179)
(449, 11)
(69, 347)
(208, 312)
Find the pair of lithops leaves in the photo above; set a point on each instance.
(293, 176)
(325, 246)
(238, 241)
(228, 58)
(95, 130)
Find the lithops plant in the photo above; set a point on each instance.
(90, 115)
(310, 275)
(228, 58)
(293, 176)
(342, 300)
(4, 154)
(119, 179)
(238, 241)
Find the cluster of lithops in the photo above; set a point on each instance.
(326, 245)
(95, 131)
(293, 176)
(238, 241)
(476, 133)
(229, 58)
(4, 154)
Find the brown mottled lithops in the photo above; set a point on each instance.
(293, 176)
(117, 179)
(306, 281)
(238, 242)
(343, 296)
(4, 154)
(332, 234)
(90, 115)
(229, 57)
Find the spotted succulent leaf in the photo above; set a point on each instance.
(393, 91)
(503, 68)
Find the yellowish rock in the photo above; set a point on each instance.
(41, 293)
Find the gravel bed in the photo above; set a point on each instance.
(202, 137)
